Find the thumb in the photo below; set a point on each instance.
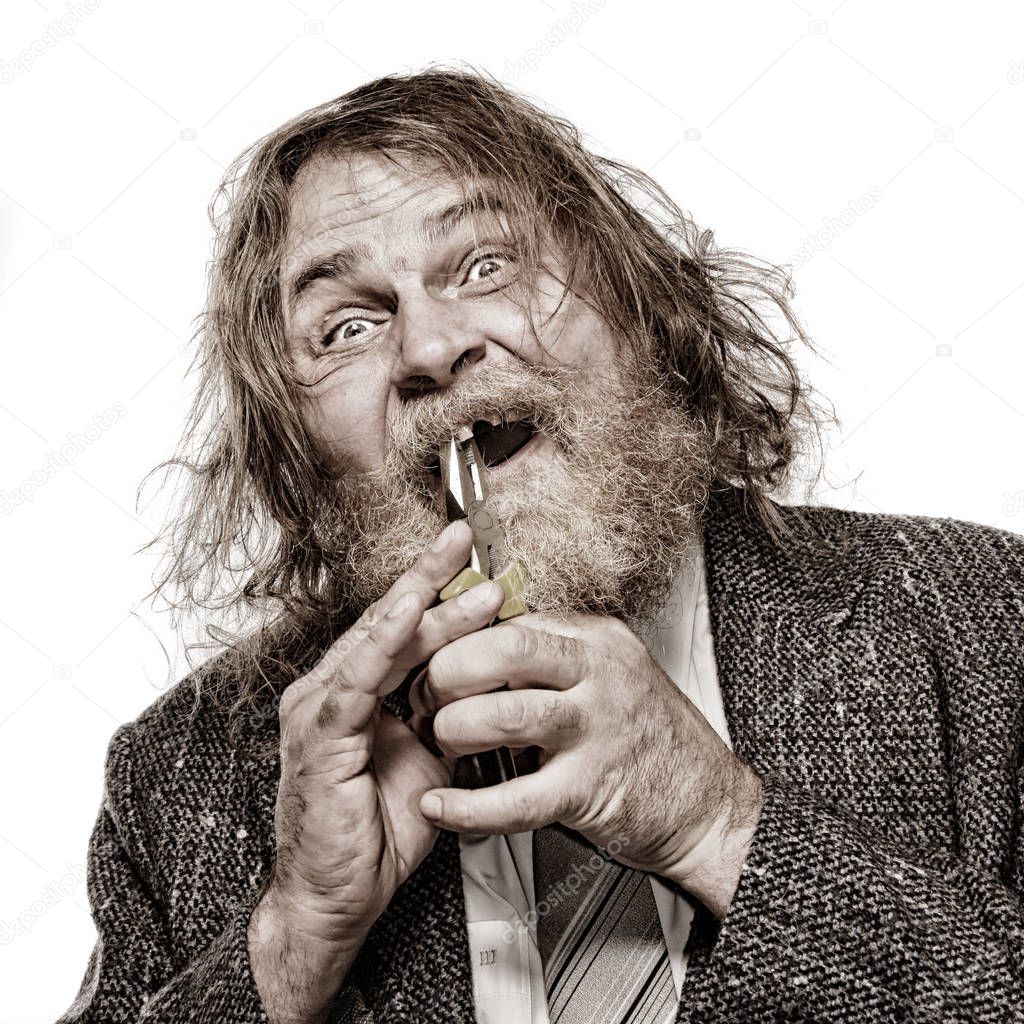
(403, 761)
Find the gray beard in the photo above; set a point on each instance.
(601, 528)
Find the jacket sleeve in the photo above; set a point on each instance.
(832, 923)
(132, 974)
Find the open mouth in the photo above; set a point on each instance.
(497, 442)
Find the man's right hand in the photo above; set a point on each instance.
(347, 823)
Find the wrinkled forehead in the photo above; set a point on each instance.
(383, 204)
(358, 192)
(390, 212)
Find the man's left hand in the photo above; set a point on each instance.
(625, 758)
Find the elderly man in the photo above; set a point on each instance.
(767, 759)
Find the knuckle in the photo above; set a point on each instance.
(510, 712)
(294, 742)
(618, 627)
(285, 706)
(566, 649)
(372, 613)
(521, 643)
(622, 634)
(293, 695)
(298, 688)
(368, 627)
(374, 630)
(524, 644)
(327, 712)
(562, 715)
(344, 676)
(423, 568)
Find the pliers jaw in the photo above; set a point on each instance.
(463, 480)
(465, 487)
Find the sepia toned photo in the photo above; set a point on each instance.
(528, 534)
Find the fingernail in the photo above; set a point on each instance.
(444, 539)
(401, 606)
(476, 596)
(430, 806)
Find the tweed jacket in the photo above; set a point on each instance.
(875, 680)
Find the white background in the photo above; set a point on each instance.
(764, 119)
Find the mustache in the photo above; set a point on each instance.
(541, 394)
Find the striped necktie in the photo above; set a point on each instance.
(600, 938)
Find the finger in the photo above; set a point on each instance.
(519, 805)
(508, 718)
(357, 663)
(508, 654)
(369, 656)
(471, 610)
(423, 580)
(433, 570)
(367, 662)
(338, 697)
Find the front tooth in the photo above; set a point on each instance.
(495, 421)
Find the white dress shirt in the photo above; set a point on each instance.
(497, 871)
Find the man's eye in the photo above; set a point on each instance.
(348, 329)
(486, 266)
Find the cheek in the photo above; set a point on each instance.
(347, 419)
(572, 334)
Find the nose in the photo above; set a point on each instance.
(436, 343)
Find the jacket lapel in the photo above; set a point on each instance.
(778, 617)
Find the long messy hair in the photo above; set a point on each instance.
(241, 542)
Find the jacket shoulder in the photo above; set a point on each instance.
(918, 552)
(826, 536)
(943, 540)
(944, 574)
(182, 745)
(184, 713)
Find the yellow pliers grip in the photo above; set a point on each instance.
(512, 581)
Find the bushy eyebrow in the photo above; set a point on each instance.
(435, 227)
(438, 225)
